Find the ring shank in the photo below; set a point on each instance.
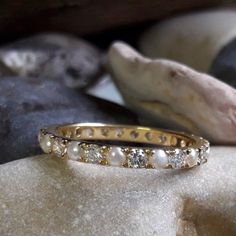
(81, 142)
(125, 133)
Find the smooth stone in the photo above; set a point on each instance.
(171, 95)
(58, 57)
(194, 39)
(159, 159)
(27, 105)
(48, 196)
(74, 151)
(115, 157)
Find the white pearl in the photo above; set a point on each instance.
(74, 151)
(192, 157)
(45, 143)
(160, 158)
(115, 157)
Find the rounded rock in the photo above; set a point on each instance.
(115, 157)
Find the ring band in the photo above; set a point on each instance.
(91, 143)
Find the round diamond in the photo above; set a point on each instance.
(176, 159)
(162, 138)
(59, 147)
(137, 158)
(45, 142)
(74, 151)
(92, 153)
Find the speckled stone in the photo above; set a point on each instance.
(169, 94)
(27, 105)
(59, 57)
(47, 196)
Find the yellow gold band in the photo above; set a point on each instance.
(97, 143)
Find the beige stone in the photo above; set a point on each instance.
(193, 39)
(47, 196)
(170, 94)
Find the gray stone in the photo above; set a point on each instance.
(27, 105)
(73, 61)
(47, 196)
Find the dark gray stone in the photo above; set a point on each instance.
(53, 56)
(224, 65)
(26, 105)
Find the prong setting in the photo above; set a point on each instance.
(190, 150)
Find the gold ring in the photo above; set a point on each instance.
(124, 145)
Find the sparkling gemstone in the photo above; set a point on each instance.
(204, 153)
(191, 157)
(159, 158)
(137, 158)
(58, 147)
(92, 153)
(115, 157)
(74, 151)
(176, 159)
(45, 142)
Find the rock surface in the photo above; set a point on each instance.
(224, 64)
(194, 39)
(26, 105)
(168, 93)
(105, 88)
(47, 196)
(54, 56)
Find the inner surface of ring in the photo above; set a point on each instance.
(125, 134)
